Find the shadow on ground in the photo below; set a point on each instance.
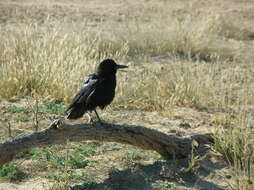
(157, 176)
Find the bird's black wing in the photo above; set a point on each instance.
(90, 77)
(89, 85)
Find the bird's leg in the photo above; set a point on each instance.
(97, 116)
(90, 119)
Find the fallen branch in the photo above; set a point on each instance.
(59, 132)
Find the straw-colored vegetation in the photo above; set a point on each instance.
(52, 65)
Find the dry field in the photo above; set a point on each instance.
(191, 70)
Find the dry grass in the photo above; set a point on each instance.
(234, 140)
(52, 64)
(45, 64)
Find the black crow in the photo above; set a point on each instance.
(98, 90)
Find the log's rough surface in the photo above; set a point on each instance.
(145, 138)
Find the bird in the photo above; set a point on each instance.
(98, 90)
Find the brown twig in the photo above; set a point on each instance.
(9, 129)
(36, 121)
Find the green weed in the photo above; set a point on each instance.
(165, 184)
(61, 161)
(132, 158)
(77, 162)
(59, 165)
(31, 154)
(135, 155)
(86, 149)
(21, 118)
(16, 109)
(11, 172)
(53, 108)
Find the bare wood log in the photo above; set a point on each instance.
(59, 132)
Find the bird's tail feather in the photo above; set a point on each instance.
(75, 113)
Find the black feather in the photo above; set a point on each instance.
(98, 90)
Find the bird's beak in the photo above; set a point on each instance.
(121, 66)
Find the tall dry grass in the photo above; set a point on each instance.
(51, 62)
(234, 141)
(49, 65)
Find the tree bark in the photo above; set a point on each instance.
(59, 132)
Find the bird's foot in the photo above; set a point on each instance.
(90, 119)
(93, 121)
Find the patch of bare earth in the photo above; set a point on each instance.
(112, 168)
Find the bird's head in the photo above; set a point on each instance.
(109, 67)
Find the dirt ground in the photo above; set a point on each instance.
(99, 13)
(182, 121)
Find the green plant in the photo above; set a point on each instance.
(11, 172)
(86, 149)
(135, 155)
(53, 108)
(132, 157)
(34, 154)
(16, 109)
(60, 166)
(165, 184)
(21, 118)
(77, 162)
